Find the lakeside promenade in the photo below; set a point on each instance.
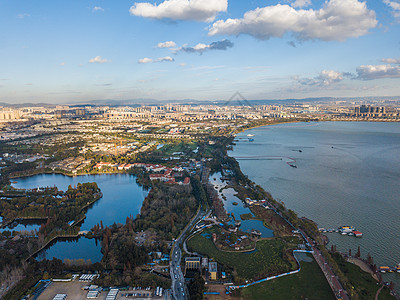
(336, 286)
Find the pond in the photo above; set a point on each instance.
(122, 197)
(234, 205)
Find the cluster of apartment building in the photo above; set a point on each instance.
(194, 112)
(71, 164)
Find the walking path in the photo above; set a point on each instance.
(377, 293)
(273, 277)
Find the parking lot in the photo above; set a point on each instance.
(74, 291)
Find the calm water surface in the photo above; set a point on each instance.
(348, 173)
(122, 197)
(239, 209)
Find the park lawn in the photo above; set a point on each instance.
(267, 260)
(169, 149)
(309, 283)
(365, 286)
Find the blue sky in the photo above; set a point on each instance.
(67, 51)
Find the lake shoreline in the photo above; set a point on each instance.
(272, 187)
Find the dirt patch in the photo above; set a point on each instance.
(221, 289)
(72, 289)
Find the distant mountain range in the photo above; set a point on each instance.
(147, 101)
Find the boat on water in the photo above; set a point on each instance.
(346, 229)
(384, 269)
(293, 166)
(250, 134)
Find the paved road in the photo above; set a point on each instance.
(178, 280)
(336, 286)
(178, 286)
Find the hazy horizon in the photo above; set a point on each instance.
(67, 52)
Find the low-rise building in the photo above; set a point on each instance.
(192, 263)
(213, 270)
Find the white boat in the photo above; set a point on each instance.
(250, 134)
(344, 233)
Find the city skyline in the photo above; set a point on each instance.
(78, 51)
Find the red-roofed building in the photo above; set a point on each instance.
(186, 181)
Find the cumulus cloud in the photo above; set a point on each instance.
(325, 78)
(336, 20)
(147, 60)
(168, 44)
(301, 3)
(395, 61)
(395, 6)
(198, 10)
(99, 60)
(200, 48)
(97, 8)
(370, 72)
(166, 58)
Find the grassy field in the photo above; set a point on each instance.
(363, 283)
(267, 260)
(169, 149)
(309, 283)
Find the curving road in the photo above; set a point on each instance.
(178, 286)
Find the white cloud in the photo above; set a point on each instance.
(370, 72)
(168, 44)
(99, 60)
(166, 58)
(145, 60)
(391, 60)
(325, 78)
(200, 48)
(62, 64)
(336, 20)
(198, 10)
(24, 15)
(394, 5)
(97, 8)
(301, 3)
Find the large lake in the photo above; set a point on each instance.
(122, 197)
(348, 173)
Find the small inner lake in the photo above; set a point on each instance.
(236, 206)
(122, 197)
(23, 226)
